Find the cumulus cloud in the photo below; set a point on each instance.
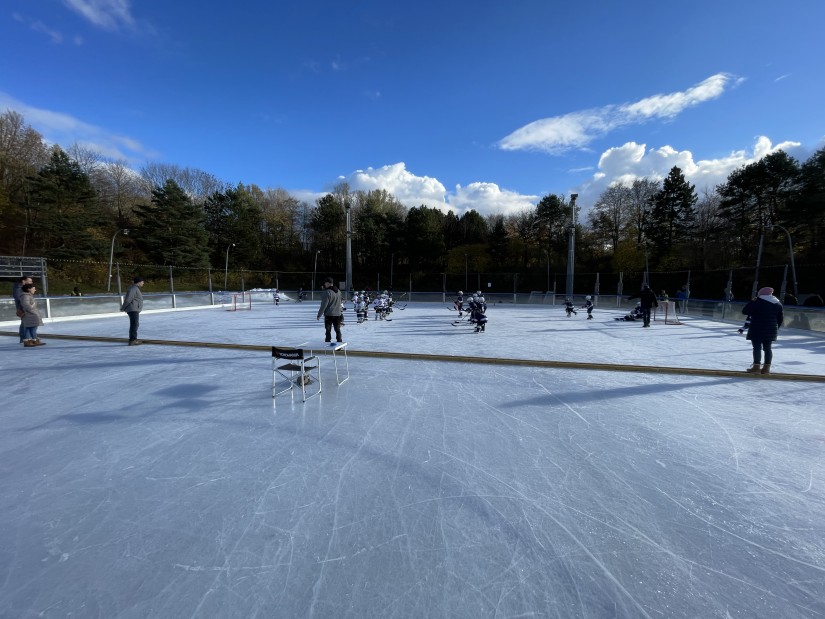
(63, 129)
(412, 191)
(489, 199)
(409, 189)
(106, 14)
(578, 129)
(623, 164)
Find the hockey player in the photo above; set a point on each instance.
(569, 308)
(276, 297)
(360, 308)
(635, 314)
(458, 303)
(479, 317)
(379, 307)
(588, 305)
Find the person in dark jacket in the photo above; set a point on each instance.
(133, 305)
(766, 317)
(648, 300)
(331, 310)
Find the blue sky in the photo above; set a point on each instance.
(484, 104)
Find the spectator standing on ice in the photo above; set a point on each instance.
(16, 290)
(648, 300)
(766, 317)
(331, 310)
(133, 306)
(31, 316)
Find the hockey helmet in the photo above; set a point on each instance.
(460, 292)
(587, 298)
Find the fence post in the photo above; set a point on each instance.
(515, 288)
(619, 289)
(172, 287)
(45, 277)
(119, 290)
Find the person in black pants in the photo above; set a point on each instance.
(331, 310)
(133, 305)
(648, 300)
(766, 316)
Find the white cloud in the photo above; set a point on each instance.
(106, 14)
(578, 129)
(65, 130)
(409, 189)
(54, 35)
(412, 191)
(623, 164)
(489, 199)
(38, 26)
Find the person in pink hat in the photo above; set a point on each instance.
(766, 317)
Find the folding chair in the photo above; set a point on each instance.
(299, 370)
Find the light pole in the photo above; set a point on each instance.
(226, 268)
(111, 258)
(790, 252)
(571, 247)
(758, 261)
(348, 208)
(547, 253)
(314, 272)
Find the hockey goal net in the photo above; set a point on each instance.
(240, 301)
(666, 312)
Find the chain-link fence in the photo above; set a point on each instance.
(91, 278)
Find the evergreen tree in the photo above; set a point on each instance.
(66, 221)
(232, 216)
(171, 229)
(672, 215)
(806, 213)
(425, 237)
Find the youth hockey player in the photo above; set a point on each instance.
(360, 308)
(379, 307)
(635, 314)
(276, 297)
(569, 308)
(588, 305)
(458, 303)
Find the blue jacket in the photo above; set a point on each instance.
(766, 318)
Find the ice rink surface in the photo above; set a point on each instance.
(162, 481)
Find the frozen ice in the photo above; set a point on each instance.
(165, 481)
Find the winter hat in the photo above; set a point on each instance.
(138, 279)
(765, 292)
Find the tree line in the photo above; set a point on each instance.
(69, 203)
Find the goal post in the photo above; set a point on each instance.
(666, 312)
(240, 301)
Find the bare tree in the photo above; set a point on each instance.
(641, 193)
(87, 158)
(197, 184)
(120, 188)
(611, 213)
(707, 222)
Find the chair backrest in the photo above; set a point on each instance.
(291, 354)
